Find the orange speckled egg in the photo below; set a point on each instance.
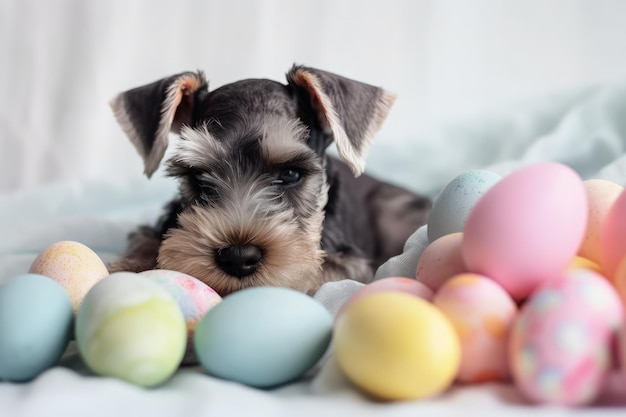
(601, 195)
(482, 313)
(440, 261)
(583, 263)
(73, 265)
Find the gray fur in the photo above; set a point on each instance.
(240, 148)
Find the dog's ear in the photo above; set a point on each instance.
(148, 113)
(349, 111)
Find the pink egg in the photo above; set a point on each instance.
(601, 195)
(397, 284)
(561, 343)
(613, 237)
(440, 261)
(527, 228)
(482, 314)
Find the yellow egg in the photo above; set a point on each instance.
(73, 265)
(580, 262)
(395, 346)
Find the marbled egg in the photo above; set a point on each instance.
(193, 296)
(560, 348)
(35, 326)
(457, 199)
(73, 265)
(263, 336)
(129, 327)
(482, 314)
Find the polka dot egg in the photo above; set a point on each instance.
(560, 345)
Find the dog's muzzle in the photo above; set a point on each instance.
(239, 261)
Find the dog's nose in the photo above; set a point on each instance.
(239, 261)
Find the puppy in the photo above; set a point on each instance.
(261, 203)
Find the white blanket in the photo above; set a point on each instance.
(585, 129)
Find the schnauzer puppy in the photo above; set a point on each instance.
(260, 201)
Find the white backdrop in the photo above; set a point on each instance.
(62, 60)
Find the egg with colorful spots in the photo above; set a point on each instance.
(560, 346)
(482, 315)
(129, 327)
(193, 296)
(73, 265)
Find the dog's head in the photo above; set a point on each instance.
(250, 161)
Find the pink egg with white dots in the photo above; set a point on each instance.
(560, 347)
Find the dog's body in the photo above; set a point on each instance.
(260, 201)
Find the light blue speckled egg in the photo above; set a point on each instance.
(263, 337)
(35, 326)
(455, 202)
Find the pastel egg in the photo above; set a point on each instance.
(527, 228)
(579, 262)
(482, 314)
(73, 265)
(129, 327)
(395, 346)
(613, 237)
(263, 336)
(440, 261)
(601, 195)
(560, 348)
(452, 206)
(401, 284)
(35, 326)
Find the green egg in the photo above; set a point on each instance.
(130, 328)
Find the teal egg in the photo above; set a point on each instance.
(263, 337)
(129, 327)
(35, 326)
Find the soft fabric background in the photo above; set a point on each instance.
(481, 84)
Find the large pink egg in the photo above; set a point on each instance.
(613, 237)
(393, 284)
(527, 228)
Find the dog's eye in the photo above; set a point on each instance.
(289, 176)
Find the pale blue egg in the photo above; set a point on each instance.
(263, 337)
(455, 202)
(35, 326)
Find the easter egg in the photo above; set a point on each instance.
(560, 346)
(193, 297)
(613, 237)
(482, 314)
(129, 327)
(395, 346)
(263, 336)
(401, 284)
(73, 265)
(35, 326)
(580, 262)
(452, 206)
(441, 261)
(601, 195)
(527, 228)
